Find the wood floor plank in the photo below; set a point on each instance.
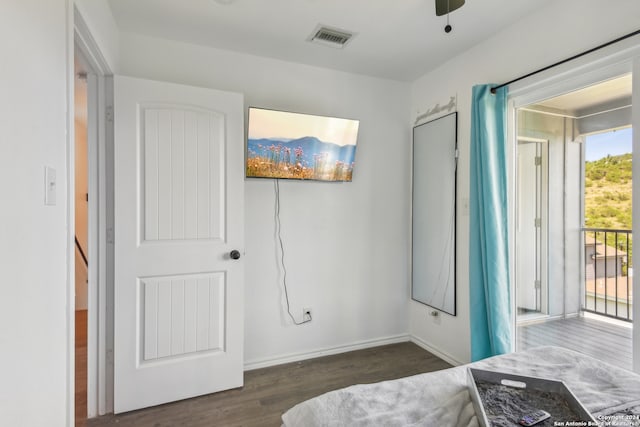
(81, 368)
(269, 392)
(604, 341)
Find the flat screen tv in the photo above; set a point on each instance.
(287, 145)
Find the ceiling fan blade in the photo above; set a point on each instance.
(445, 6)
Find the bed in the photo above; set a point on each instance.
(441, 398)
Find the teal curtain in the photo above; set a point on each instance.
(490, 301)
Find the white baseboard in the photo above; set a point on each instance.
(436, 352)
(295, 357)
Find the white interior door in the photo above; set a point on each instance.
(178, 212)
(527, 246)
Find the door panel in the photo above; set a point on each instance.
(184, 158)
(182, 315)
(532, 228)
(526, 229)
(178, 213)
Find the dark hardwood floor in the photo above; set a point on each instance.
(269, 392)
(81, 368)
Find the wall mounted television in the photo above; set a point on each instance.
(286, 145)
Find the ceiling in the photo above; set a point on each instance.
(613, 93)
(395, 39)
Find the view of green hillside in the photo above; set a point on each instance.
(608, 192)
(608, 199)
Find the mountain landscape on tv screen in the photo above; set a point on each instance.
(301, 158)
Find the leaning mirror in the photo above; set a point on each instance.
(434, 213)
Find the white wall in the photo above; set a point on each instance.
(561, 30)
(33, 237)
(345, 243)
(635, 212)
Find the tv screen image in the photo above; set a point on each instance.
(287, 145)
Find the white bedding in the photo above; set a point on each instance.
(441, 398)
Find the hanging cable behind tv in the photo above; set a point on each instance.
(278, 225)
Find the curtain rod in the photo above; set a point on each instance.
(586, 52)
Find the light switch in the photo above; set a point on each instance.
(50, 185)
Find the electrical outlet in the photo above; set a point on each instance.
(306, 315)
(435, 315)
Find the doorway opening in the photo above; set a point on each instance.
(573, 264)
(81, 232)
(91, 154)
(531, 228)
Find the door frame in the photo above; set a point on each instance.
(612, 61)
(100, 226)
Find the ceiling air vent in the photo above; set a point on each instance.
(330, 37)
